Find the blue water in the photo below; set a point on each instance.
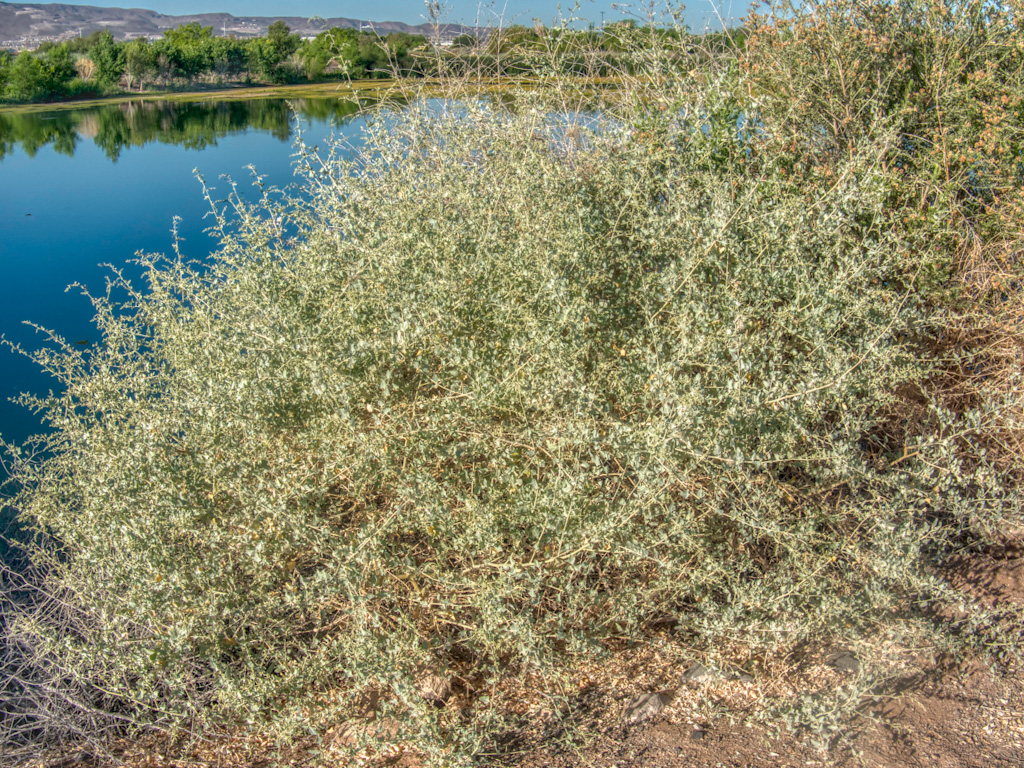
(62, 216)
(69, 203)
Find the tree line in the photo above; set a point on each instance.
(192, 55)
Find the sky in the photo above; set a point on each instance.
(699, 15)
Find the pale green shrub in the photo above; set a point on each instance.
(511, 385)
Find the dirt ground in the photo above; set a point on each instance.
(936, 713)
(941, 714)
(947, 718)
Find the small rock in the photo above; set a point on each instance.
(844, 661)
(742, 677)
(645, 706)
(695, 674)
(698, 734)
(434, 688)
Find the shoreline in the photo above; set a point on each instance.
(371, 89)
(360, 89)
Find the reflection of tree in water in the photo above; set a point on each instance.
(192, 125)
(34, 131)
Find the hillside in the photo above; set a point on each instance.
(24, 25)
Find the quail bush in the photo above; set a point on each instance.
(512, 385)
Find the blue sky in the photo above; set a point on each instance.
(698, 15)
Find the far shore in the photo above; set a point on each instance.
(365, 89)
(353, 91)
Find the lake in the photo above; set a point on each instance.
(83, 187)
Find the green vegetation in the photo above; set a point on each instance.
(191, 55)
(40, 76)
(724, 359)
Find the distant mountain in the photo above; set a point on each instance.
(24, 25)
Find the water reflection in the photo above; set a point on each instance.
(193, 125)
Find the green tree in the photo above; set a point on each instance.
(386, 56)
(371, 57)
(401, 48)
(266, 54)
(32, 77)
(284, 43)
(5, 68)
(109, 58)
(189, 49)
(59, 67)
(79, 44)
(264, 59)
(230, 57)
(336, 49)
(26, 80)
(139, 61)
